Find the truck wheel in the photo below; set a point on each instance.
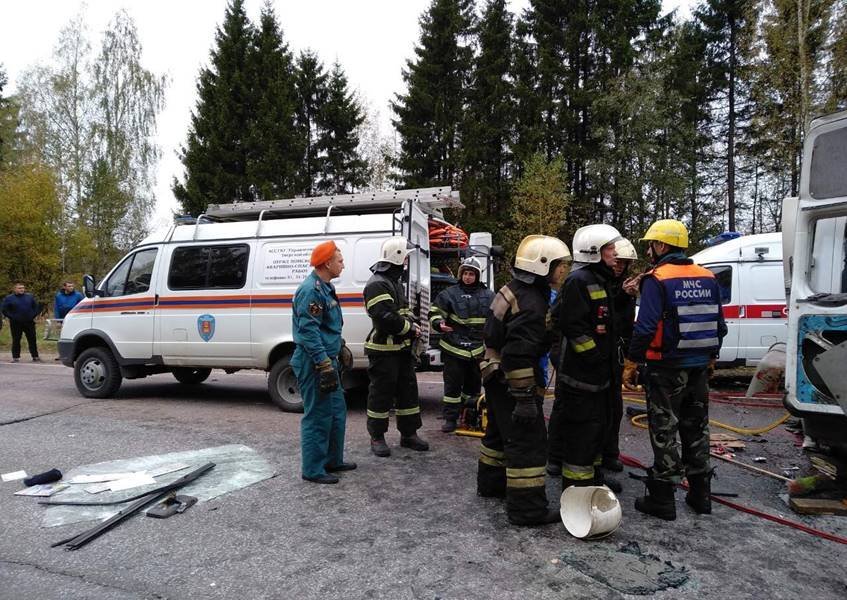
(282, 385)
(96, 373)
(191, 376)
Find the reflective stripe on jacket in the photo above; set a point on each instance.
(584, 314)
(679, 321)
(388, 309)
(464, 308)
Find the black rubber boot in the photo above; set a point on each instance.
(552, 516)
(659, 501)
(601, 479)
(699, 492)
(379, 447)
(448, 426)
(413, 442)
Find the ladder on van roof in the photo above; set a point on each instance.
(430, 200)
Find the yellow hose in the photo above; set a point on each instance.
(636, 420)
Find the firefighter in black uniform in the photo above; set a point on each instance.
(517, 334)
(391, 368)
(459, 313)
(624, 312)
(581, 415)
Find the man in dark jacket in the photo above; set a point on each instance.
(459, 313)
(582, 411)
(66, 299)
(21, 309)
(517, 334)
(391, 367)
(624, 310)
(679, 330)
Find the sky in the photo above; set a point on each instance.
(371, 39)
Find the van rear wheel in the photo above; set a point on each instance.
(96, 373)
(282, 385)
(191, 376)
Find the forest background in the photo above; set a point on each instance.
(606, 110)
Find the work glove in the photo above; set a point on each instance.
(327, 377)
(630, 375)
(526, 409)
(710, 370)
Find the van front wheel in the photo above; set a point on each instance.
(191, 376)
(96, 373)
(282, 385)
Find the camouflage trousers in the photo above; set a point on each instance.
(678, 403)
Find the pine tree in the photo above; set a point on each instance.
(274, 145)
(311, 82)
(528, 125)
(489, 120)
(786, 87)
(582, 47)
(730, 29)
(215, 154)
(837, 72)
(428, 115)
(340, 117)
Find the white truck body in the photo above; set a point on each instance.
(750, 275)
(218, 293)
(816, 241)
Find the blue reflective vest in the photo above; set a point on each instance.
(692, 306)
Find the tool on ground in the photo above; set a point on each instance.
(46, 477)
(79, 540)
(749, 467)
(170, 505)
(473, 421)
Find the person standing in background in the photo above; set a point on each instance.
(21, 309)
(66, 299)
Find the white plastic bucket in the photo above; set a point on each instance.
(590, 512)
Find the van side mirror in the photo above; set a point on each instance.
(88, 286)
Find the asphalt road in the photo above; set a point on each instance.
(410, 526)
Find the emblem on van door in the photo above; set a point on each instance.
(206, 327)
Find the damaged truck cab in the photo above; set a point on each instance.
(815, 247)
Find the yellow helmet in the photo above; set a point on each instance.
(669, 231)
(536, 252)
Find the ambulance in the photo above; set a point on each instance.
(215, 292)
(749, 272)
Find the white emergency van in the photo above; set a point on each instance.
(815, 238)
(217, 292)
(749, 272)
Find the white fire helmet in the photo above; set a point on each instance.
(588, 240)
(394, 250)
(536, 252)
(625, 250)
(471, 264)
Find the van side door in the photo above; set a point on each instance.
(125, 310)
(728, 283)
(204, 305)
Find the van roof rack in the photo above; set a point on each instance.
(430, 200)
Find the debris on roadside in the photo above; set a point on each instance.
(237, 466)
(13, 476)
(42, 490)
(45, 477)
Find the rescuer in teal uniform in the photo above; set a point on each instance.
(317, 325)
